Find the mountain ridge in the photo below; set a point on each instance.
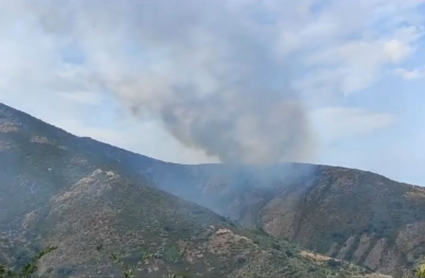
(88, 138)
(106, 218)
(283, 200)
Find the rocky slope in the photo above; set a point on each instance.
(349, 214)
(103, 212)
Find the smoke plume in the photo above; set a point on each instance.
(214, 78)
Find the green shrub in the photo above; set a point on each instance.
(276, 246)
(28, 269)
(333, 263)
(421, 271)
(172, 254)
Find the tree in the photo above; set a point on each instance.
(421, 271)
(29, 269)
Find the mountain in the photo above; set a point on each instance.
(105, 214)
(349, 214)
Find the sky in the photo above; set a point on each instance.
(329, 82)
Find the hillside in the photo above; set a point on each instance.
(349, 214)
(105, 218)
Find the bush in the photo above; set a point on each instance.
(421, 271)
(334, 263)
(289, 253)
(276, 246)
(312, 268)
(241, 260)
(172, 254)
(28, 269)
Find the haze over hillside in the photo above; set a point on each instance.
(52, 179)
(107, 218)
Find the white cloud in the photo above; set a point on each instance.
(353, 65)
(410, 74)
(396, 51)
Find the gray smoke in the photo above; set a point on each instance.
(211, 71)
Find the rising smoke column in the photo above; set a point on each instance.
(212, 76)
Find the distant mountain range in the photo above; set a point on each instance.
(110, 211)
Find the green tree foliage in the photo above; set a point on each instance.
(127, 271)
(421, 271)
(29, 269)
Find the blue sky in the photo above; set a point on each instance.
(330, 82)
